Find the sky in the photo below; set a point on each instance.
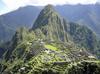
(10, 5)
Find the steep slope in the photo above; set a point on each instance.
(34, 56)
(20, 41)
(84, 37)
(50, 24)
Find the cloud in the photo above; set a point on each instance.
(13, 4)
(98, 0)
(60, 2)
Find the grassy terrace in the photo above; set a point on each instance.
(47, 46)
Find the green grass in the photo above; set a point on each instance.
(50, 47)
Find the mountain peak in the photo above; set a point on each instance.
(46, 16)
(49, 6)
(51, 24)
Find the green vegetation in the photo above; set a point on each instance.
(50, 47)
(85, 67)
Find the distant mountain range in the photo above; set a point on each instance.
(10, 22)
(84, 14)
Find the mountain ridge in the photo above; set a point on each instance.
(69, 12)
(49, 19)
(52, 25)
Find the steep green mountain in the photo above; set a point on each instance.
(24, 17)
(52, 46)
(31, 55)
(20, 41)
(50, 24)
(84, 36)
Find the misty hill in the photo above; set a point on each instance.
(85, 14)
(22, 17)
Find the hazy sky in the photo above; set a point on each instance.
(8, 5)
